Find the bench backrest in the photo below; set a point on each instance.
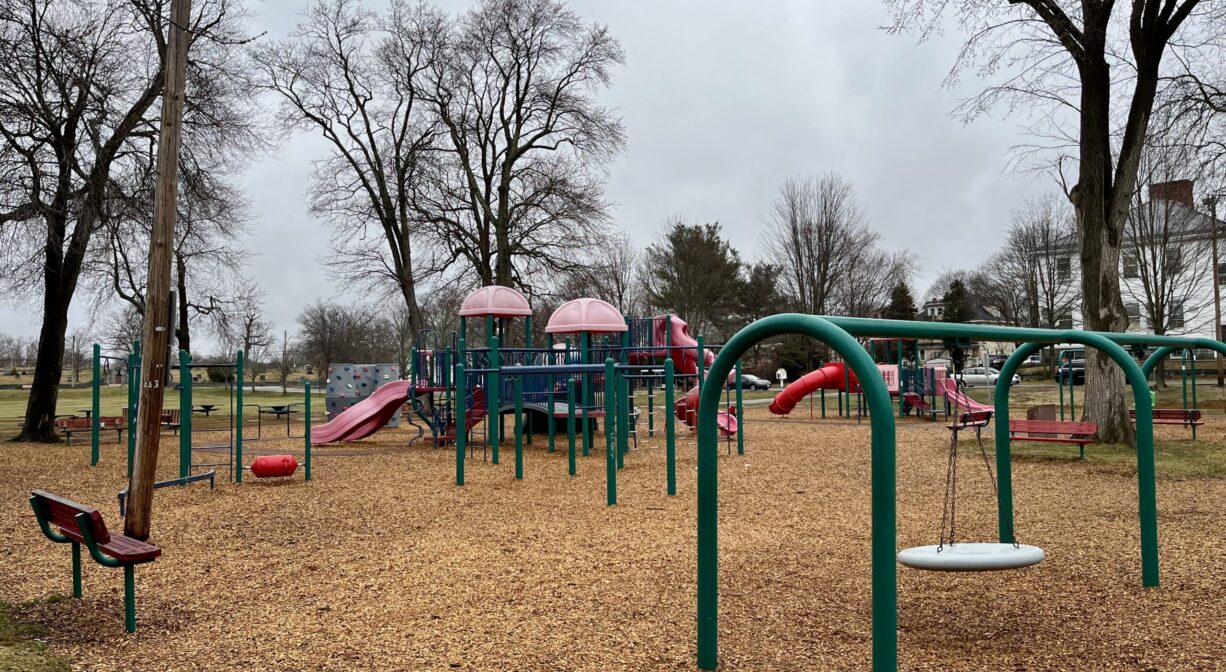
(1053, 427)
(63, 513)
(72, 423)
(171, 416)
(1177, 414)
(973, 417)
(111, 421)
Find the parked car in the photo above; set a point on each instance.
(1075, 370)
(752, 382)
(977, 376)
(997, 361)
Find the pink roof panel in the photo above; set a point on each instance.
(495, 300)
(590, 315)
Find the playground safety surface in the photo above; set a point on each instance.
(382, 563)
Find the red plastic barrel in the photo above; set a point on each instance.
(268, 466)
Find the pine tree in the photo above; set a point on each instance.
(957, 303)
(902, 305)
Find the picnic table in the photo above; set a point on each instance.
(89, 412)
(205, 409)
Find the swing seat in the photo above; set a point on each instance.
(979, 557)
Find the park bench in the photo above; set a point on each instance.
(71, 425)
(1186, 417)
(1054, 431)
(170, 420)
(79, 524)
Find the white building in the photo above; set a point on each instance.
(1166, 265)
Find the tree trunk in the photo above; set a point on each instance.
(39, 424)
(1160, 374)
(183, 332)
(1100, 236)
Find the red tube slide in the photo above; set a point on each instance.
(829, 377)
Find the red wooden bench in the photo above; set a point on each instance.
(1187, 417)
(70, 426)
(79, 524)
(1054, 431)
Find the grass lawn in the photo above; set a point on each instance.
(72, 401)
(20, 651)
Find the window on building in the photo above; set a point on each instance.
(1064, 268)
(1134, 315)
(1221, 273)
(1065, 321)
(1177, 315)
(1130, 265)
(1174, 261)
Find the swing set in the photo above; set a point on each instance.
(841, 333)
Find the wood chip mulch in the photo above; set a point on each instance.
(382, 563)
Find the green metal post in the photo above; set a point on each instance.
(96, 407)
(495, 384)
(1072, 403)
(519, 428)
(1063, 374)
(702, 363)
(610, 410)
(585, 345)
(76, 569)
(623, 419)
(1146, 483)
(552, 408)
(670, 424)
(1183, 377)
(651, 408)
(461, 421)
(133, 402)
(528, 344)
(238, 418)
(740, 416)
(1194, 404)
(883, 534)
(306, 428)
(185, 414)
(570, 424)
(823, 397)
(129, 598)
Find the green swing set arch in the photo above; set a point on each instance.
(840, 333)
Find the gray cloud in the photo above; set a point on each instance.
(722, 102)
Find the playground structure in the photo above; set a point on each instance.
(841, 334)
(606, 368)
(924, 390)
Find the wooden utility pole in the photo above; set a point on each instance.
(1211, 202)
(153, 374)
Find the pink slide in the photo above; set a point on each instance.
(686, 360)
(829, 377)
(958, 399)
(686, 409)
(366, 417)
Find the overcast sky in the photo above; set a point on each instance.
(721, 102)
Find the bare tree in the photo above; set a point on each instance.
(212, 214)
(1092, 73)
(820, 238)
(611, 274)
(285, 360)
(355, 80)
(1030, 281)
(520, 190)
(244, 327)
(78, 82)
(80, 352)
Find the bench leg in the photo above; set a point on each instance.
(129, 598)
(1082, 446)
(76, 569)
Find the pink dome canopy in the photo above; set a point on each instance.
(495, 300)
(591, 315)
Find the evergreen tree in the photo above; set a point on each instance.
(957, 303)
(902, 305)
(694, 273)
